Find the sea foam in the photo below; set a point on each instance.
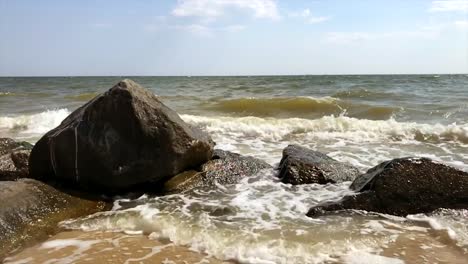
(32, 126)
(361, 130)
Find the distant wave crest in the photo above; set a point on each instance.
(302, 106)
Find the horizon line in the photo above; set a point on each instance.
(240, 75)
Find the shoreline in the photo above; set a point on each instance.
(113, 247)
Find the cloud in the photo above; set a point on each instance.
(359, 37)
(316, 20)
(449, 6)
(303, 13)
(307, 15)
(197, 29)
(216, 8)
(234, 28)
(206, 31)
(462, 24)
(347, 37)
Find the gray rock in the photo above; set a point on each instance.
(300, 165)
(13, 159)
(405, 186)
(119, 139)
(31, 210)
(224, 168)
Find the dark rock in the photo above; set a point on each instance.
(119, 139)
(224, 168)
(300, 165)
(405, 186)
(13, 159)
(7, 145)
(31, 210)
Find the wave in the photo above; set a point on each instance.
(357, 93)
(82, 96)
(23, 94)
(33, 124)
(276, 129)
(354, 129)
(268, 106)
(6, 94)
(309, 107)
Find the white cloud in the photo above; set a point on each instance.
(449, 6)
(316, 20)
(206, 31)
(234, 28)
(307, 15)
(358, 37)
(347, 37)
(197, 29)
(217, 8)
(462, 24)
(303, 13)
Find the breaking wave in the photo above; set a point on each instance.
(33, 125)
(364, 130)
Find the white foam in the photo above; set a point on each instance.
(154, 250)
(362, 130)
(262, 221)
(361, 257)
(34, 125)
(448, 222)
(80, 245)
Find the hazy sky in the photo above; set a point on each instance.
(232, 37)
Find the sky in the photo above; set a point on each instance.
(232, 37)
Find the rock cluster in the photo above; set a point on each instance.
(121, 139)
(404, 186)
(126, 138)
(224, 168)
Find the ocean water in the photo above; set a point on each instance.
(363, 120)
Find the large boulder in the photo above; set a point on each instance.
(121, 138)
(31, 210)
(224, 168)
(404, 186)
(14, 158)
(300, 165)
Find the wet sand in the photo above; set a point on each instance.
(108, 247)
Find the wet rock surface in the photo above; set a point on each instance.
(224, 168)
(31, 210)
(14, 158)
(121, 138)
(300, 165)
(404, 186)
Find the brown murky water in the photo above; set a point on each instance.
(108, 247)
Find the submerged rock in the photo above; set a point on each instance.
(300, 165)
(119, 139)
(224, 168)
(31, 210)
(405, 186)
(13, 159)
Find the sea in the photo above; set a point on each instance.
(359, 119)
